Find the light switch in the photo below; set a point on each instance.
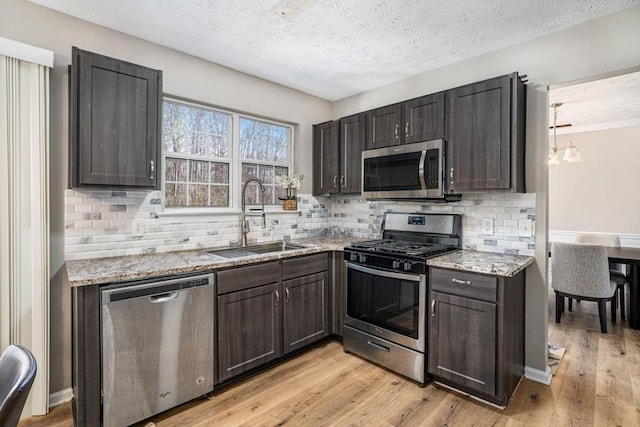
(487, 226)
(525, 228)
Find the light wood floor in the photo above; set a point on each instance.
(597, 384)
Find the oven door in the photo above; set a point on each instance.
(387, 304)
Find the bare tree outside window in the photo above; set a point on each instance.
(266, 145)
(193, 138)
(198, 147)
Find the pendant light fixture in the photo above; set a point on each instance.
(571, 155)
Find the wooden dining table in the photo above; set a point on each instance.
(631, 257)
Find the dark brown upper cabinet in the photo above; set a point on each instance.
(423, 118)
(337, 155)
(352, 140)
(383, 128)
(415, 120)
(326, 152)
(114, 123)
(486, 135)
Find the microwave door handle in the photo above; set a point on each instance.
(423, 156)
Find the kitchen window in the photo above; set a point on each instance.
(208, 154)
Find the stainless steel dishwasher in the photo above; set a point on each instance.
(157, 346)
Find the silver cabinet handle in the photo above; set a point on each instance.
(462, 282)
(342, 184)
(396, 131)
(152, 166)
(451, 176)
(335, 181)
(406, 129)
(433, 308)
(286, 294)
(277, 298)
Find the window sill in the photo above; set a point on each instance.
(230, 212)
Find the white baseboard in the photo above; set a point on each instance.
(60, 397)
(626, 240)
(537, 375)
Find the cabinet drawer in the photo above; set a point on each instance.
(301, 266)
(240, 278)
(464, 284)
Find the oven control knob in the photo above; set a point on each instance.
(407, 266)
(362, 258)
(396, 263)
(353, 257)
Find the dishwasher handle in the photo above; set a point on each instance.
(168, 296)
(155, 291)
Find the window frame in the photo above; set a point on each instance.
(235, 161)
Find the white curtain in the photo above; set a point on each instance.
(24, 217)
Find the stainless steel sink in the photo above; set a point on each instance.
(264, 248)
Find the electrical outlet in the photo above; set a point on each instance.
(525, 227)
(487, 226)
(137, 228)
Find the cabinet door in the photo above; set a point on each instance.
(480, 136)
(352, 139)
(326, 157)
(114, 122)
(423, 118)
(383, 127)
(305, 310)
(462, 341)
(249, 329)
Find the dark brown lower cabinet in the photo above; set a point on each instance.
(466, 325)
(305, 310)
(476, 332)
(249, 329)
(262, 317)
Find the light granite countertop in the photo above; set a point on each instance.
(483, 262)
(134, 267)
(120, 269)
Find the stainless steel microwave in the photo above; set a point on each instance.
(409, 171)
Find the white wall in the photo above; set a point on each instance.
(183, 76)
(600, 194)
(603, 45)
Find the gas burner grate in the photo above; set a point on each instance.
(400, 247)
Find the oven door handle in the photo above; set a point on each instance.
(384, 273)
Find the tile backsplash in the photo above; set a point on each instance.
(98, 223)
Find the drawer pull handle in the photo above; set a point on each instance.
(433, 308)
(462, 282)
(378, 346)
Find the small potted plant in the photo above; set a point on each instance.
(291, 184)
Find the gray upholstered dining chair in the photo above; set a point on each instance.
(17, 372)
(582, 272)
(617, 272)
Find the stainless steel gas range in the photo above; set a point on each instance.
(386, 289)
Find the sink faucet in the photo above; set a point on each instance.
(244, 220)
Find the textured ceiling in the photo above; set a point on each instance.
(336, 48)
(600, 104)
